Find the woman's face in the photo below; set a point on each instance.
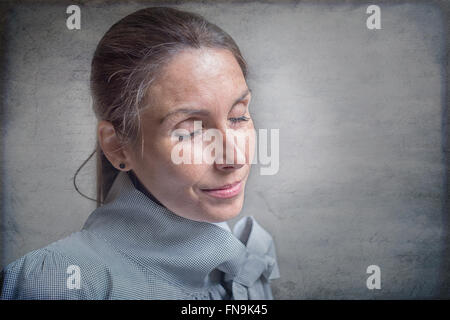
(204, 85)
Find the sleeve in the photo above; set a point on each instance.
(47, 275)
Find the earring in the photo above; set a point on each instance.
(122, 166)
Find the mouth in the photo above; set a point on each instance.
(226, 191)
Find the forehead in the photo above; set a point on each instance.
(198, 76)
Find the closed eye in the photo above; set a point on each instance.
(239, 119)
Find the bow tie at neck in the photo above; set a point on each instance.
(184, 251)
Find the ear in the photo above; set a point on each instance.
(110, 144)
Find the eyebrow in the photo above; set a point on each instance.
(204, 111)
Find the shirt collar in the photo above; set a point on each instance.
(181, 250)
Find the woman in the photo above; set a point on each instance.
(160, 229)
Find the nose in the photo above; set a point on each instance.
(228, 167)
(231, 157)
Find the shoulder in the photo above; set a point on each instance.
(66, 269)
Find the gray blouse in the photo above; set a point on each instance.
(133, 248)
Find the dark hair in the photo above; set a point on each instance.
(129, 58)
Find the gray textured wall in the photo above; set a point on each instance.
(361, 115)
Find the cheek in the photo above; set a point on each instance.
(176, 176)
(186, 175)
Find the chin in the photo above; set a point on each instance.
(224, 211)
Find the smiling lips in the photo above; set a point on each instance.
(227, 191)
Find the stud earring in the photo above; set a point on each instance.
(122, 166)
